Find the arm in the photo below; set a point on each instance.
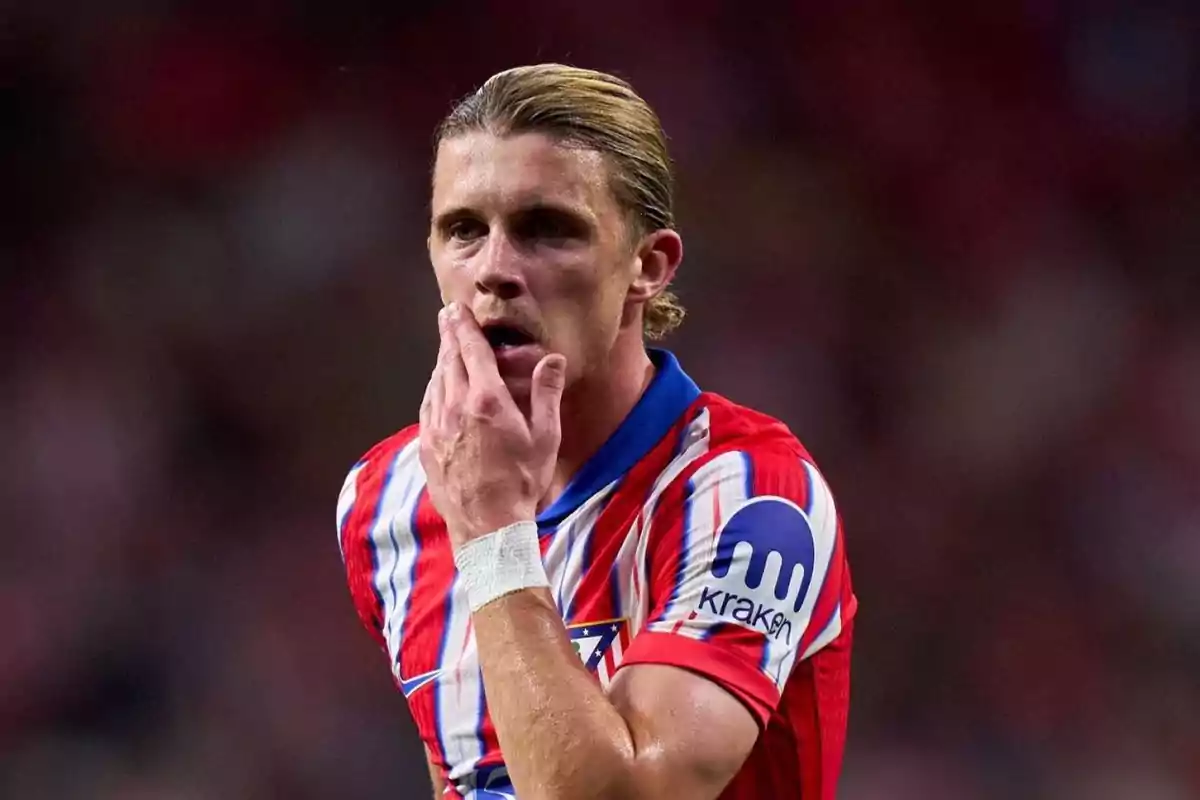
(488, 464)
(662, 731)
(752, 576)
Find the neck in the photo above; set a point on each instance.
(596, 405)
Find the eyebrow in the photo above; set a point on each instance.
(442, 220)
(456, 213)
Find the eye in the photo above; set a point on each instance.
(549, 225)
(465, 230)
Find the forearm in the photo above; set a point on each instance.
(560, 735)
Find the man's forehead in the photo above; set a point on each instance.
(521, 170)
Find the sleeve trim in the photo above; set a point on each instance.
(733, 674)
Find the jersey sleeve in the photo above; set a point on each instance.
(744, 565)
(356, 506)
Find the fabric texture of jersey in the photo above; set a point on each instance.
(701, 535)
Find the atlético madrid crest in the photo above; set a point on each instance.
(600, 645)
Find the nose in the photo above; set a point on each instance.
(499, 268)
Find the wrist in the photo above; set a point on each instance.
(501, 562)
(464, 530)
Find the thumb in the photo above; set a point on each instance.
(549, 379)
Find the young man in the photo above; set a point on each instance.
(592, 579)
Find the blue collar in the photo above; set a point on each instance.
(669, 394)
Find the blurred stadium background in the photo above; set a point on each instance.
(956, 249)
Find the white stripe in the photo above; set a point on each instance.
(392, 578)
(458, 690)
(564, 558)
(616, 655)
(696, 508)
(617, 650)
(623, 567)
(822, 518)
(694, 445)
(721, 480)
(346, 502)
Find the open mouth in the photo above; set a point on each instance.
(501, 335)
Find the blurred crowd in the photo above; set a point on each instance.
(956, 249)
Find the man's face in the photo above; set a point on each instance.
(527, 234)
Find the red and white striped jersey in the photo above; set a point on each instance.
(701, 535)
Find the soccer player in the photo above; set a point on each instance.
(591, 579)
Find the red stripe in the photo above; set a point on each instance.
(781, 475)
(422, 626)
(593, 597)
(356, 532)
(637, 573)
(749, 429)
(679, 623)
(830, 594)
(749, 643)
(360, 565)
(666, 550)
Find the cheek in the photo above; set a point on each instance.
(453, 281)
(580, 301)
(587, 311)
(578, 289)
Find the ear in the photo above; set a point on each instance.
(658, 256)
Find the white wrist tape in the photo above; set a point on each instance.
(503, 562)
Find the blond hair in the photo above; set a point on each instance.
(597, 111)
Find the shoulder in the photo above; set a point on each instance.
(382, 455)
(368, 479)
(756, 445)
(378, 488)
(382, 459)
(738, 458)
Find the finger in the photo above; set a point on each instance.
(454, 373)
(477, 357)
(436, 390)
(545, 401)
(425, 436)
(426, 415)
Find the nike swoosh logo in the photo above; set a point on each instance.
(410, 685)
